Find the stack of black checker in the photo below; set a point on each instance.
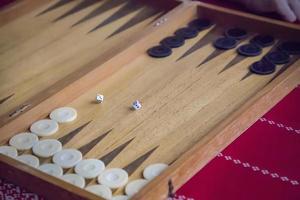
(282, 55)
(178, 39)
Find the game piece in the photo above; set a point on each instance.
(51, 169)
(74, 179)
(151, 171)
(89, 168)
(236, 33)
(100, 190)
(249, 50)
(263, 67)
(9, 151)
(263, 40)
(187, 32)
(23, 141)
(290, 47)
(159, 51)
(46, 148)
(136, 105)
(63, 114)
(113, 178)
(135, 186)
(67, 158)
(28, 159)
(173, 41)
(225, 43)
(44, 127)
(120, 197)
(278, 57)
(200, 24)
(99, 98)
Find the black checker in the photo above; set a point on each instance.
(159, 51)
(291, 47)
(278, 57)
(263, 67)
(225, 43)
(263, 40)
(249, 50)
(236, 33)
(173, 41)
(200, 24)
(187, 32)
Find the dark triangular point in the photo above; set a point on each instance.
(139, 17)
(211, 56)
(284, 68)
(249, 73)
(136, 163)
(158, 16)
(6, 98)
(77, 8)
(55, 6)
(234, 61)
(114, 153)
(208, 38)
(122, 12)
(171, 163)
(65, 139)
(101, 9)
(86, 148)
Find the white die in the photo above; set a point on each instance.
(136, 105)
(99, 98)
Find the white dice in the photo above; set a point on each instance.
(136, 105)
(99, 98)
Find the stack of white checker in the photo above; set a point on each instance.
(109, 179)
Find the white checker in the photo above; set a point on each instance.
(23, 141)
(120, 197)
(44, 127)
(89, 168)
(9, 151)
(152, 171)
(28, 159)
(46, 148)
(100, 190)
(135, 186)
(63, 114)
(67, 158)
(51, 169)
(113, 178)
(74, 179)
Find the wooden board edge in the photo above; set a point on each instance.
(40, 183)
(247, 15)
(220, 137)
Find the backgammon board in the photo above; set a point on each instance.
(198, 90)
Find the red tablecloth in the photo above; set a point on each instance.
(262, 164)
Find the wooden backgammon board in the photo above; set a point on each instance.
(211, 74)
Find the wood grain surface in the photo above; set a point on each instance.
(194, 102)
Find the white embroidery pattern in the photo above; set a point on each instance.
(257, 169)
(280, 125)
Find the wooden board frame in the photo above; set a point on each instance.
(191, 161)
